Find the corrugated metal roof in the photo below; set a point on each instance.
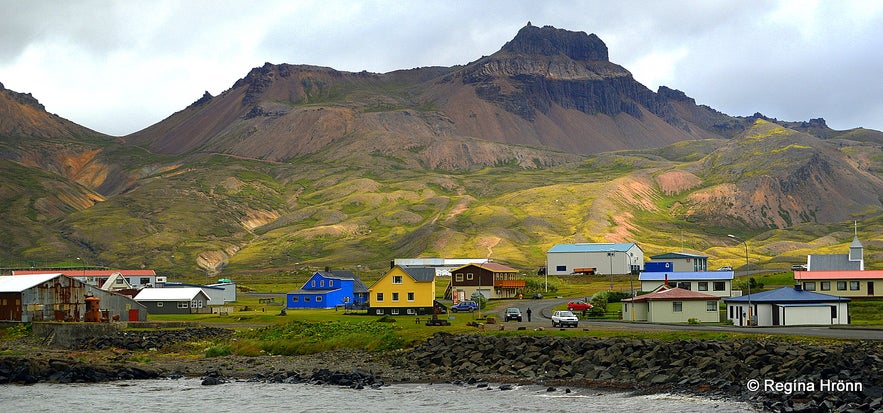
(420, 274)
(831, 262)
(594, 247)
(786, 295)
(92, 273)
(168, 294)
(686, 275)
(838, 275)
(674, 294)
(676, 255)
(19, 283)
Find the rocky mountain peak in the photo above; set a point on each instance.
(549, 41)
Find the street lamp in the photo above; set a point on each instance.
(747, 272)
(610, 255)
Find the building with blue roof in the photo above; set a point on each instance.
(594, 258)
(717, 283)
(681, 261)
(788, 306)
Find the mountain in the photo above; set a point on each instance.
(544, 141)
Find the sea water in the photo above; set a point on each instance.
(189, 395)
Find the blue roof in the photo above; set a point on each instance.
(600, 247)
(787, 295)
(686, 275)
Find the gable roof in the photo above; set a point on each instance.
(19, 283)
(490, 266)
(838, 275)
(358, 285)
(686, 275)
(593, 247)
(168, 294)
(676, 293)
(670, 255)
(830, 262)
(420, 274)
(787, 295)
(91, 273)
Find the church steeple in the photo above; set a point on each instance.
(856, 250)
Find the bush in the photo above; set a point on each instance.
(693, 321)
(218, 351)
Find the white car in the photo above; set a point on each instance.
(564, 319)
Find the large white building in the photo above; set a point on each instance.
(594, 258)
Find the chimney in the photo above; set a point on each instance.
(327, 269)
(665, 283)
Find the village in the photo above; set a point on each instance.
(669, 288)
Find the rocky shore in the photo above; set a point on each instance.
(791, 375)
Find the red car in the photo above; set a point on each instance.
(578, 306)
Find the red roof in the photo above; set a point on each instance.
(492, 266)
(673, 294)
(91, 273)
(838, 275)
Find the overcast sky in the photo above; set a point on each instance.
(120, 66)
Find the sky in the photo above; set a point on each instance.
(120, 66)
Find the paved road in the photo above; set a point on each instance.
(542, 312)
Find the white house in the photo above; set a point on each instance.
(672, 305)
(596, 258)
(717, 283)
(788, 306)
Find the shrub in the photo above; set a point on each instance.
(218, 351)
(693, 321)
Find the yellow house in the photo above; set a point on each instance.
(403, 290)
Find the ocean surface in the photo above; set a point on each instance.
(189, 395)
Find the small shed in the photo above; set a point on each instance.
(681, 261)
(184, 300)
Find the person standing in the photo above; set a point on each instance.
(528, 314)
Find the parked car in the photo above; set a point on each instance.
(537, 296)
(513, 313)
(564, 319)
(725, 268)
(466, 305)
(578, 305)
(798, 267)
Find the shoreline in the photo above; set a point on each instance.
(711, 369)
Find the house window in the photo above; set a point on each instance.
(313, 283)
(711, 306)
(833, 311)
(322, 283)
(145, 281)
(158, 304)
(331, 283)
(469, 276)
(561, 268)
(684, 285)
(825, 285)
(379, 296)
(853, 285)
(677, 306)
(395, 311)
(318, 298)
(731, 310)
(395, 297)
(183, 304)
(719, 286)
(411, 311)
(809, 285)
(703, 285)
(841, 285)
(459, 277)
(306, 299)
(295, 299)
(410, 296)
(396, 279)
(378, 311)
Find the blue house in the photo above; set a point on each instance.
(330, 289)
(788, 306)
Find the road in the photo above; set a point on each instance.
(542, 312)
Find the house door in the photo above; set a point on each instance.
(775, 315)
(870, 288)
